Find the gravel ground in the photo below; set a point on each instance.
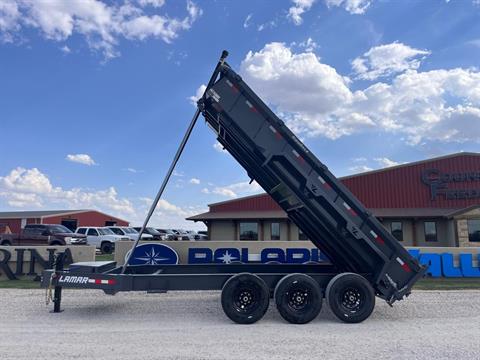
(191, 325)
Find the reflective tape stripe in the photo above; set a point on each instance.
(229, 83)
(101, 281)
(376, 237)
(348, 207)
(403, 264)
(249, 104)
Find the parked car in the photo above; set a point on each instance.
(151, 231)
(130, 232)
(167, 234)
(103, 238)
(200, 237)
(43, 234)
(183, 235)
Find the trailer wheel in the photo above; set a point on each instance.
(106, 247)
(245, 298)
(298, 298)
(350, 297)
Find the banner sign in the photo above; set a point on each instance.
(439, 265)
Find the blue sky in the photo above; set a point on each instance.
(95, 96)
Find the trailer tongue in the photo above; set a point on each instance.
(367, 260)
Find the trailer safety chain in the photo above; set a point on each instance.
(49, 290)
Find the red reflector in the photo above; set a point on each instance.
(380, 240)
(405, 267)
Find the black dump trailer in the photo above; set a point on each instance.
(366, 260)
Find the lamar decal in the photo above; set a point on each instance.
(20, 256)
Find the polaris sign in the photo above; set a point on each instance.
(440, 265)
(235, 255)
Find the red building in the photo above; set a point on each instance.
(435, 202)
(16, 220)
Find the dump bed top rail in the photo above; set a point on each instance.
(313, 198)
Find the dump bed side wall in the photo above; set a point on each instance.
(321, 206)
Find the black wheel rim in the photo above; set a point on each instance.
(352, 299)
(246, 298)
(298, 298)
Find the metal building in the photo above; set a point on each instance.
(16, 220)
(434, 202)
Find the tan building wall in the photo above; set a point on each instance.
(450, 232)
(222, 230)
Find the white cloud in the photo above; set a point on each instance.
(315, 100)
(309, 45)
(219, 147)
(386, 162)
(356, 7)
(235, 190)
(32, 188)
(359, 168)
(247, 21)
(81, 159)
(65, 49)
(298, 9)
(268, 25)
(194, 181)
(9, 18)
(198, 94)
(133, 170)
(154, 3)
(101, 23)
(167, 215)
(23, 180)
(386, 60)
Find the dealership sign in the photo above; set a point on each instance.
(26, 256)
(440, 181)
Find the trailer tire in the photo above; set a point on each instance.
(106, 247)
(5, 243)
(245, 298)
(350, 297)
(298, 298)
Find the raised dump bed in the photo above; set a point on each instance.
(313, 198)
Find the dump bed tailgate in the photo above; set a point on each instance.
(313, 198)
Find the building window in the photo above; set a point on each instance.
(473, 230)
(248, 231)
(430, 231)
(396, 228)
(301, 235)
(275, 231)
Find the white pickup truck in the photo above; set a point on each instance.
(103, 238)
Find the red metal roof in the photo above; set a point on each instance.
(396, 187)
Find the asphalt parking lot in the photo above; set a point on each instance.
(191, 325)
